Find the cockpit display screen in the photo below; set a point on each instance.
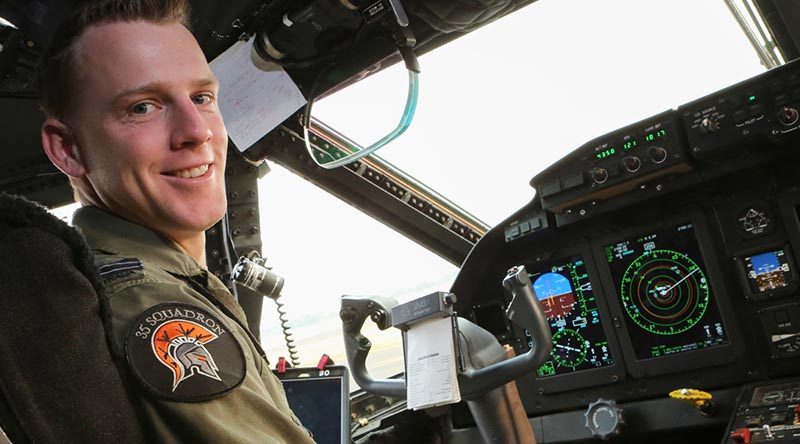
(663, 287)
(579, 341)
(768, 271)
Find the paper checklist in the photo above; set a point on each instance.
(431, 375)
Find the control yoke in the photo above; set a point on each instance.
(355, 310)
(524, 310)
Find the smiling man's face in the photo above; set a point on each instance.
(148, 128)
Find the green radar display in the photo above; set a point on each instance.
(570, 305)
(665, 293)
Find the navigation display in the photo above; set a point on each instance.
(768, 271)
(565, 293)
(663, 287)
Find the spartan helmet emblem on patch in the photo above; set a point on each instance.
(180, 346)
(173, 350)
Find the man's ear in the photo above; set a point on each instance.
(61, 147)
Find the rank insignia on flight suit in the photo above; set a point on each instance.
(120, 270)
(181, 352)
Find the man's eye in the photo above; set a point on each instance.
(142, 108)
(201, 99)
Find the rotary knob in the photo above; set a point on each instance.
(709, 125)
(632, 164)
(598, 175)
(788, 116)
(657, 154)
(604, 419)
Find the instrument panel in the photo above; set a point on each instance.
(674, 269)
(634, 304)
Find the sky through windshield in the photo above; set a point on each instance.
(504, 102)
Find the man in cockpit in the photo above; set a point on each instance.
(132, 120)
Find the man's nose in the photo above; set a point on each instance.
(190, 127)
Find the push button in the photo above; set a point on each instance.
(752, 421)
(782, 317)
(781, 418)
(550, 188)
(573, 180)
(796, 95)
(512, 232)
(756, 110)
(741, 435)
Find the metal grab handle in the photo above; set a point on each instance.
(354, 312)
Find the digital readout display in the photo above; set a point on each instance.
(605, 153)
(768, 271)
(663, 287)
(629, 145)
(565, 293)
(654, 135)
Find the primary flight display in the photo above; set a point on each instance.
(566, 295)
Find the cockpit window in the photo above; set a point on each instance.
(503, 102)
(325, 248)
(4, 22)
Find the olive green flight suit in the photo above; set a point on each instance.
(256, 411)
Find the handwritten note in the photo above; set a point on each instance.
(255, 95)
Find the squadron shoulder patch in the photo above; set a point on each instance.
(182, 352)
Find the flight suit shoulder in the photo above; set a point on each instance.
(118, 272)
(177, 344)
(193, 362)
